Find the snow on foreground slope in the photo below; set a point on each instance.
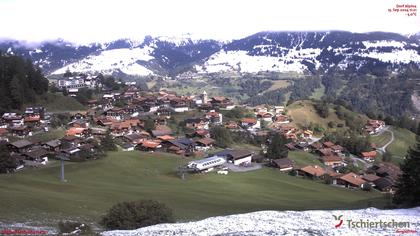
(287, 223)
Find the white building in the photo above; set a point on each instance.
(207, 163)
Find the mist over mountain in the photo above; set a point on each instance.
(302, 52)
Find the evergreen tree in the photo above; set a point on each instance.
(277, 148)
(408, 187)
(222, 136)
(108, 143)
(149, 125)
(7, 163)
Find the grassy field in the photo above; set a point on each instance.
(277, 84)
(37, 195)
(381, 140)
(48, 136)
(403, 140)
(303, 113)
(55, 102)
(319, 92)
(302, 158)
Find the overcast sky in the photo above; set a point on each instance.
(86, 21)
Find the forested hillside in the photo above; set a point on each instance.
(20, 82)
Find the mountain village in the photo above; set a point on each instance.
(147, 122)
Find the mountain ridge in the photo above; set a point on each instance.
(278, 51)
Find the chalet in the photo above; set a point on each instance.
(250, 123)
(21, 131)
(32, 119)
(197, 123)
(282, 119)
(222, 103)
(20, 146)
(13, 119)
(311, 171)
(333, 161)
(304, 146)
(204, 143)
(164, 111)
(237, 157)
(278, 109)
(307, 133)
(370, 178)
(79, 123)
(385, 184)
(265, 116)
(132, 110)
(53, 145)
(98, 133)
(260, 108)
(180, 146)
(135, 138)
(374, 126)
(328, 144)
(325, 152)
(179, 106)
(115, 113)
(71, 141)
(150, 145)
(386, 169)
(351, 180)
(284, 164)
(161, 130)
(214, 117)
(78, 132)
(70, 153)
(36, 156)
(200, 133)
(166, 138)
(337, 149)
(35, 111)
(368, 156)
(78, 115)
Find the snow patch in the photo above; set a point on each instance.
(124, 59)
(285, 223)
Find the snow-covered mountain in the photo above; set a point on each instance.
(266, 51)
(307, 51)
(289, 223)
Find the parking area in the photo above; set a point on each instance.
(250, 167)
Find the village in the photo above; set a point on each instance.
(165, 122)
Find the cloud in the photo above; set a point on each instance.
(88, 21)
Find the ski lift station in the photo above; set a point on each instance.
(207, 163)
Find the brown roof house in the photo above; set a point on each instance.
(351, 180)
(284, 164)
(311, 171)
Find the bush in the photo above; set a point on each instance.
(75, 228)
(133, 215)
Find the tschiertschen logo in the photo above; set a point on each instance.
(340, 221)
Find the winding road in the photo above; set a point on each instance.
(382, 149)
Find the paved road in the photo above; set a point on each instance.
(383, 148)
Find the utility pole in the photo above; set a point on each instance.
(62, 159)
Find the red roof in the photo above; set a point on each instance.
(75, 131)
(32, 118)
(249, 120)
(371, 154)
(150, 144)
